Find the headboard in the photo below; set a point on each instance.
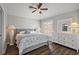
(27, 30)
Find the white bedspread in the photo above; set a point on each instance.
(24, 41)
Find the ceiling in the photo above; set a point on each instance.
(22, 10)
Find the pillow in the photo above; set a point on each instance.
(27, 32)
(33, 32)
(22, 32)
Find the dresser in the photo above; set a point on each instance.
(66, 39)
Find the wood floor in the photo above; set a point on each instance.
(44, 50)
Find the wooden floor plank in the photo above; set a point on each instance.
(44, 50)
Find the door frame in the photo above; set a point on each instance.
(4, 19)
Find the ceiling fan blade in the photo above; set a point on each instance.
(39, 5)
(33, 11)
(32, 7)
(43, 8)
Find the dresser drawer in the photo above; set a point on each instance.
(68, 40)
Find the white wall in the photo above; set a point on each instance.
(47, 27)
(20, 22)
(63, 16)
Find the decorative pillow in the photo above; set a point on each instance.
(27, 32)
(33, 31)
(22, 32)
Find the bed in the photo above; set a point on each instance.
(28, 42)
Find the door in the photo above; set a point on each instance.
(0, 31)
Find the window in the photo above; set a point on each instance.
(64, 27)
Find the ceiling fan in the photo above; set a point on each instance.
(38, 7)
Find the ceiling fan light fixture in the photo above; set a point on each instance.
(40, 12)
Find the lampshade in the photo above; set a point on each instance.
(74, 25)
(11, 27)
(11, 32)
